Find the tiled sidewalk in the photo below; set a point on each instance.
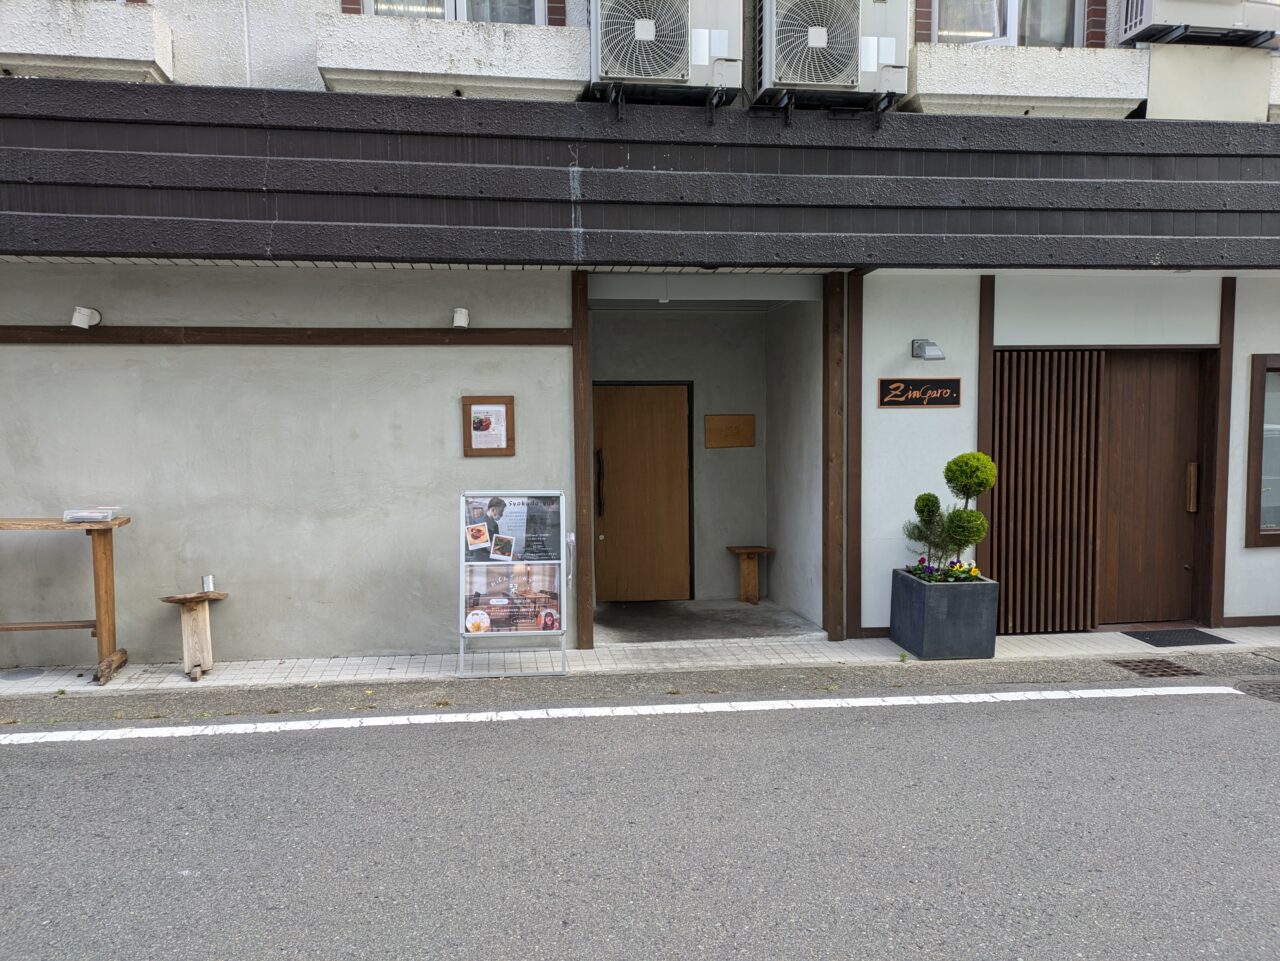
(655, 657)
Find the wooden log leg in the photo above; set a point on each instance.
(749, 578)
(108, 666)
(197, 639)
(104, 603)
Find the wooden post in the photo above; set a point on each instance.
(104, 591)
(833, 453)
(986, 397)
(585, 560)
(197, 638)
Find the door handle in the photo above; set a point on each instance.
(599, 482)
(1193, 488)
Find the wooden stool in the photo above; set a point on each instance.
(197, 638)
(749, 572)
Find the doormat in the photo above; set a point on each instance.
(1157, 667)
(1177, 637)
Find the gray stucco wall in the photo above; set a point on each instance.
(320, 485)
(323, 296)
(794, 472)
(723, 353)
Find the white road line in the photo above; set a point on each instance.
(625, 710)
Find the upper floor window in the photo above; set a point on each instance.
(1024, 23)
(493, 11)
(1262, 509)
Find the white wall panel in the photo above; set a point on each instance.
(1253, 574)
(904, 451)
(1097, 308)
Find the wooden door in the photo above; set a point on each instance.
(642, 492)
(1149, 475)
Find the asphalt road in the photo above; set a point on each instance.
(1096, 829)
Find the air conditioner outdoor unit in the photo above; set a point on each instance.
(830, 52)
(1227, 23)
(667, 49)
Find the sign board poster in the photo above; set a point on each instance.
(512, 545)
(908, 392)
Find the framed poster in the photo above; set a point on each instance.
(512, 552)
(488, 426)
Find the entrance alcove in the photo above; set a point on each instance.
(706, 434)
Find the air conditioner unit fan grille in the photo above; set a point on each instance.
(833, 62)
(624, 56)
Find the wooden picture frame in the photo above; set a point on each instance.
(488, 426)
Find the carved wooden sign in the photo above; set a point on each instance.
(730, 430)
(916, 392)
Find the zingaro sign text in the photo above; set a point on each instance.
(904, 392)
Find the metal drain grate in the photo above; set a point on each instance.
(1267, 690)
(1157, 667)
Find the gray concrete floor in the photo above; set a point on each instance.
(644, 622)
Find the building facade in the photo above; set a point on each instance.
(277, 209)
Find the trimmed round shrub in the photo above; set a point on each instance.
(970, 475)
(964, 528)
(928, 507)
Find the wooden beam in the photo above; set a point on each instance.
(584, 561)
(48, 626)
(111, 335)
(853, 457)
(986, 394)
(833, 441)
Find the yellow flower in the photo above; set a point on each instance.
(974, 571)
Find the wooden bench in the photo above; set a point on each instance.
(103, 625)
(197, 635)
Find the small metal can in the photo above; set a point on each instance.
(206, 583)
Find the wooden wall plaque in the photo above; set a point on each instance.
(730, 430)
(913, 392)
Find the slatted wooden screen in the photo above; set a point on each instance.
(1044, 511)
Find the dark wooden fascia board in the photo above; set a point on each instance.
(301, 175)
(89, 236)
(316, 110)
(113, 335)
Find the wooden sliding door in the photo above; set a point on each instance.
(1094, 518)
(1149, 490)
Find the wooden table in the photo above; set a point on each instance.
(103, 624)
(749, 572)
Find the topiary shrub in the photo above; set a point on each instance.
(969, 476)
(938, 534)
